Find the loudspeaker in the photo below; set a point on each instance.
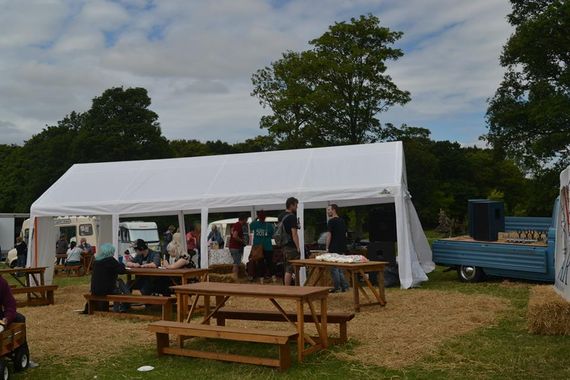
(382, 223)
(486, 219)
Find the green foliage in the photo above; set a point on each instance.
(529, 115)
(120, 126)
(331, 94)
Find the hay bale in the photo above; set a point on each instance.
(548, 313)
(216, 277)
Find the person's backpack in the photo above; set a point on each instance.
(281, 236)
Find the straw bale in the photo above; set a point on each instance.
(548, 313)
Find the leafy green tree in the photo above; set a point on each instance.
(120, 126)
(529, 115)
(332, 93)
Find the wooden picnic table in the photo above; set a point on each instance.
(184, 274)
(224, 291)
(38, 293)
(317, 269)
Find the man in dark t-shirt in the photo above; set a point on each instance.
(291, 250)
(336, 243)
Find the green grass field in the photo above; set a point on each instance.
(503, 351)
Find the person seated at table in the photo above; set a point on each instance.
(145, 258)
(178, 257)
(105, 278)
(8, 313)
(73, 255)
(85, 247)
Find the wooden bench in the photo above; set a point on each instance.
(37, 295)
(275, 316)
(280, 338)
(165, 302)
(77, 270)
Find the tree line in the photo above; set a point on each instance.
(334, 93)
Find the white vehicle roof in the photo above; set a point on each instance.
(139, 225)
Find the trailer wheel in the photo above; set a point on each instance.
(21, 357)
(469, 273)
(4, 370)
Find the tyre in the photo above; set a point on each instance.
(4, 370)
(21, 358)
(469, 273)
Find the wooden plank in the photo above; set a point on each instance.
(194, 303)
(300, 331)
(217, 332)
(369, 284)
(276, 316)
(222, 356)
(251, 290)
(219, 305)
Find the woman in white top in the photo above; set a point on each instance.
(177, 255)
(73, 254)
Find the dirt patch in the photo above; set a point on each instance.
(60, 334)
(548, 312)
(412, 325)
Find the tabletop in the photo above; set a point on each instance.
(315, 262)
(23, 270)
(166, 272)
(252, 290)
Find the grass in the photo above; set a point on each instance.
(503, 351)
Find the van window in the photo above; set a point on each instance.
(85, 229)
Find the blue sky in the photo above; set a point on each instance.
(196, 59)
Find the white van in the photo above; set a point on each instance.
(74, 228)
(129, 232)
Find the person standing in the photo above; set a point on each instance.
(237, 243)
(61, 247)
(336, 243)
(22, 252)
(262, 235)
(291, 249)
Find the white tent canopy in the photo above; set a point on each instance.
(346, 175)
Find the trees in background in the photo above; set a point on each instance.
(529, 115)
(332, 93)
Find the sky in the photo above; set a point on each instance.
(196, 59)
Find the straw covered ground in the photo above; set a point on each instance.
(413, 324)
(548, 312)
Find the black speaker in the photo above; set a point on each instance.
(382, 223)
(486, 219)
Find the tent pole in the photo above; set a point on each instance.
(115, 233)
(301, 216)
(182, 228)
(204, 254)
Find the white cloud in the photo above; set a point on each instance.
(196, 58)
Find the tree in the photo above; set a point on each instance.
(332, 93)
(120, 126)
(529, 115)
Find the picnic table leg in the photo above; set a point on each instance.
(355, 286)
(324, 332)
(207, 307)
(300, 331)
(297, 275)
(381, 287)
(180, 299)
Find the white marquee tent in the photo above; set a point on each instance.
(346, 175)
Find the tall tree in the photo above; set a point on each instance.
(333, 93)
(120, 126)
(529, 115)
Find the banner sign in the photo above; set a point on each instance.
(562, 258)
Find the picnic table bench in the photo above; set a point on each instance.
(38, 293)
(165, 302)
(280, 338)
(275, 316)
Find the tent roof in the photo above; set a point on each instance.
(355, 174)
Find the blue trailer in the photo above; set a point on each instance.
(525, 251)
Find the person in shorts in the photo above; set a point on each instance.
(237, 242)
(291, 250)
